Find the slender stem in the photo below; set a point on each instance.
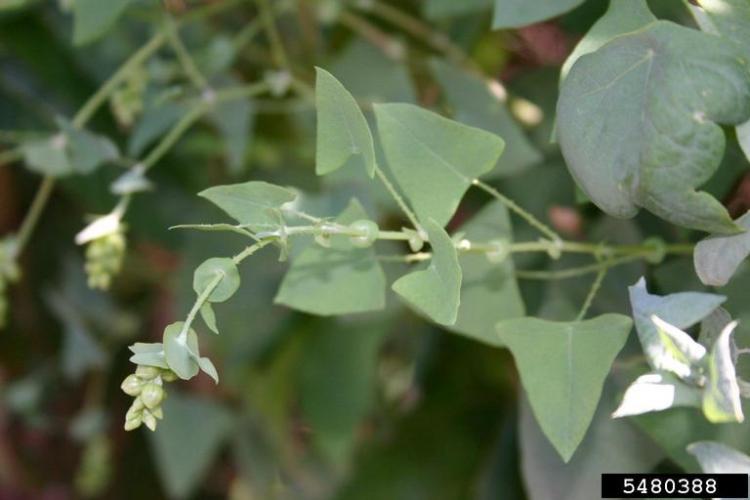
(101, 95)
(202, 298)
(364, 28)
(186, 60)
(399, 200)
(512, 205)
(277, 46)
(247, 252)
(421, 31)
(173, 136)
(35, 211)
(574, 272)
(592, 293)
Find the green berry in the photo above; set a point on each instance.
(132, 385)
(368, 233)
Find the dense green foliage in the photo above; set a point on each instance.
(417, 264)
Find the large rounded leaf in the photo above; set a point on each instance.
(637, 122)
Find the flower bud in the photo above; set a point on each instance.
(132, 424)
(149, 420)
(500, 252)
(368, 233)
(131, 385)
(168, 376)
(147, 372)
(152, 395)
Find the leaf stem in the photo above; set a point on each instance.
(186, 60)
(512, 205)
(399, 200)
(277, 46)
(199, 301)
(595, 286)
(574, 272)
(32, 216)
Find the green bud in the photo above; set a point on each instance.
(132, 424)
(104, 256)
(131, 385)
(368, 231)
(134, 412)
(152, 395)
(158, 413)
(168, 376)
(657, 250)
(147, 372)
(149, 420)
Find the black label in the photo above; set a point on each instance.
(674, 485)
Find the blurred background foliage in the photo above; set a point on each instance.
(380, 406)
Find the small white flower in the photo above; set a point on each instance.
(101, 226)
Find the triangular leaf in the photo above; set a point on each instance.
(563, 367)
(252, 203)
(681, 354)
(489, 291)
(516, 13)
(721, 400)
(474, 103)
(93, 18)
(435, 291)
(433, 159)
(656, 392)
(717, 458)
(341, 279)
(180, 355)
(717, 258)
(186, 443)
(662, 140)
(209, 317)
(344, 137)
(680, 310)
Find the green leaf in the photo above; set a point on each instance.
(433, 159)
(439, 9)
(516, 13)
(72, 151)
(610, 445)
(344, 137)
(681, 354)
(86, 151)
(474, 103)
(717, 258)
(623, 16)
(93, 18)
(712, 326)
(208, 368)
(148, 355)
(489, 291)
(681, 310)
(254, 203)
(656, 392)
(435, 291)
(717, 458)
(47, 156)
(563, 367)
(209, 317)
(721, 400)
(187, 442)
(636, 132)
(209, 271)
(341, 279)
(235, 120)
(337, 383)
(155, 121)
(181, 355)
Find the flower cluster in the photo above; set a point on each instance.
(146, 385)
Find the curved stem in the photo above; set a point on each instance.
(186, 60)
(277, 46)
